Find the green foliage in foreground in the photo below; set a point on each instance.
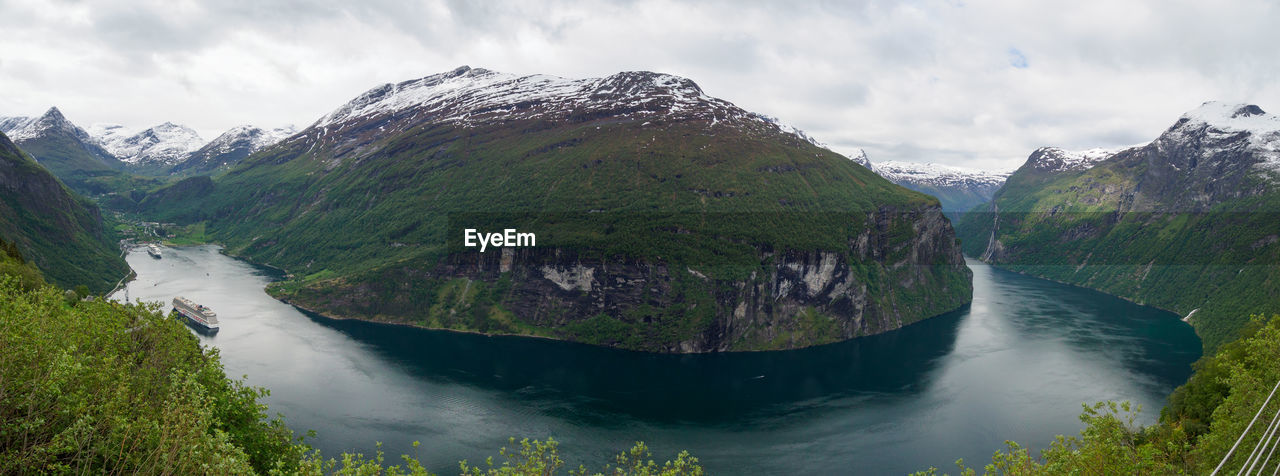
(1109, 444)
(1202, 421)
(102, 387)
(26, 276)
(99, 387)
(541, 458)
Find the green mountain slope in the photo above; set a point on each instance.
(56, 230)
(1186, 223)
(665, 220)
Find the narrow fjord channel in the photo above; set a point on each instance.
(1016, 364)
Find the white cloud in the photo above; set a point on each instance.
(917, 81)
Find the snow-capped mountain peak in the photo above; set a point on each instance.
(1228, 117)
(473, 93)
(1218, 131)
(1209, 129)
(270, 137)
(231, 147)
(474, 96)
(166, 144)
(1221, 126)
(51, 121)
(251, 137)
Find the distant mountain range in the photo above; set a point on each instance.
(666, 219)
(230, 148)
(73, 153)
(959, 189)
(1188, 222)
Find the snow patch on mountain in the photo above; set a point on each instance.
(1059, 159)
(270, 137)
(9, 124)
(106, 134)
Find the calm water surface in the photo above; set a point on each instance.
(1016, 364)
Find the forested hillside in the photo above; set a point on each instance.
(1186, 223)
(58, 231)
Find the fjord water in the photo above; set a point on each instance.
(1016, 364)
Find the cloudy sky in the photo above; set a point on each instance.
(968, 83)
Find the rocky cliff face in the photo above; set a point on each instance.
(790, 300)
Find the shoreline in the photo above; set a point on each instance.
(222, 249)
(124, 281)
(1176, 314)
(322, 315)
(285, 275)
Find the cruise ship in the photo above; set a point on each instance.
(153, 250)
(196, 313)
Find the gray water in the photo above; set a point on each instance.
(1016, 364)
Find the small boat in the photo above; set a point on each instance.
(153, 250)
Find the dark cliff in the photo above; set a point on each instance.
(789, 300)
